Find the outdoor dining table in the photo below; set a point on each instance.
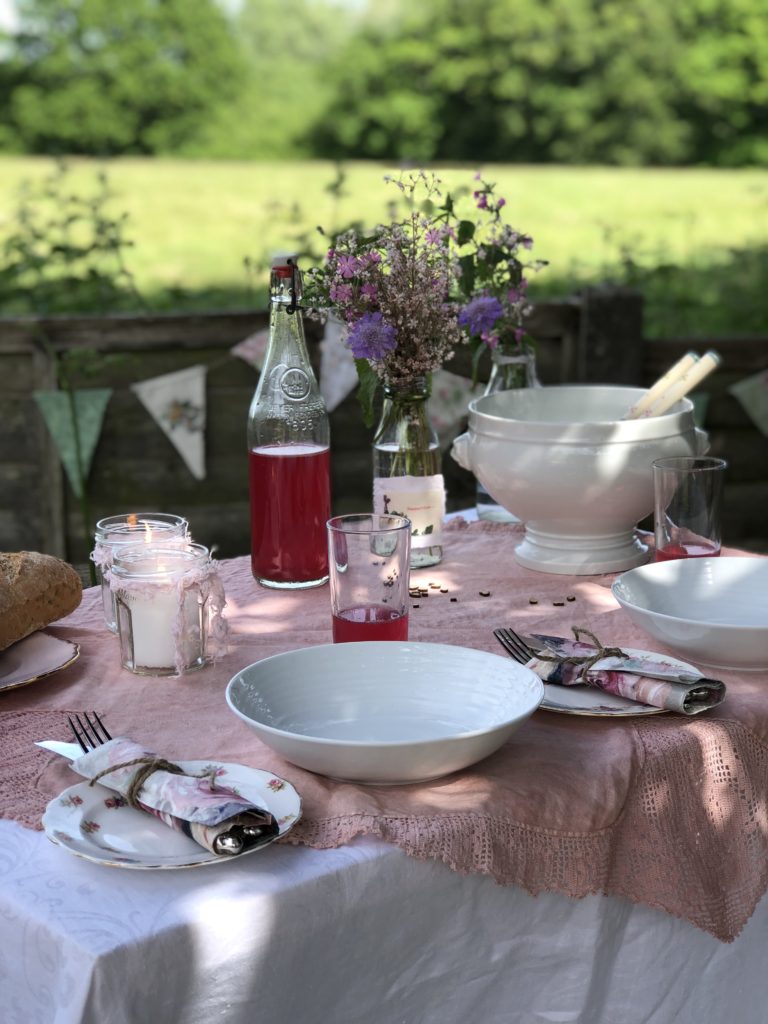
(592, 870)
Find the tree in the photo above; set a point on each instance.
(576, 81)
(100, 77)
(285, 49)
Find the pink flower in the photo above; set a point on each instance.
(370, 292)
(347, 266)
(341, 292)
(433, 236)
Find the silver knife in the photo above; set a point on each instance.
(69, 750)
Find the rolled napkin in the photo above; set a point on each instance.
(573, 662)
(216, 817)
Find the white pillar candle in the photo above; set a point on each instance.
(160, 621)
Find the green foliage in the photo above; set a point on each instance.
(284, 90)
(105, 77)
(65, 251)
(571, 81)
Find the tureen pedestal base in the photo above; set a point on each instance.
(580, 556)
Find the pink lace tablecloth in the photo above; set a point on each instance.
(664, 810)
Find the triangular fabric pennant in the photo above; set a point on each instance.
(89, 406)
(752, 393)
(252, 349)
(338, 373)
(447, 405)
(176, 401)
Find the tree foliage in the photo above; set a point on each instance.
(106, 77)
(602, 81)
(285, 90)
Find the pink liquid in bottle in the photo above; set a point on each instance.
(369, 622)
(290, 505)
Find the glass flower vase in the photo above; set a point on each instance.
(509, 371)
(407, 469)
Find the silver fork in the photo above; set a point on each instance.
(515, 645)
(89, 733)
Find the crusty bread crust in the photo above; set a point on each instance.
(35, 590)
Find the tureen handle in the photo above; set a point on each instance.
(460, 451)
(702, 441)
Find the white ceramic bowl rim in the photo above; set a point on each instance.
(608, 430)
(363, 744)
(616, 588)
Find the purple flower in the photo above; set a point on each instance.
(370, 292)
(371, 338)
(500, 203)
(481, 314)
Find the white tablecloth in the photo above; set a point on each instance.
(358, 935)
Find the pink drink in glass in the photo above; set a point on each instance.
(290, 504)
(688, 549)
(369, 622)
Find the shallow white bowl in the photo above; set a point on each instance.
(711, 611)
(384, 712)
(565, 462)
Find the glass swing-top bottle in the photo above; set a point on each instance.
(288, 449)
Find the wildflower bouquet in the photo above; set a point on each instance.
(492, 280)
(393, 290)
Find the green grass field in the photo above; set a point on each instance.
(698, 238)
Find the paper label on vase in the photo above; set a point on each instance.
(420, 498)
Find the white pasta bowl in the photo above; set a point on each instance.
(384, 712)
(710, 611)
(564, 461)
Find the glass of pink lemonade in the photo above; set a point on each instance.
(687, 492)
(369, 559)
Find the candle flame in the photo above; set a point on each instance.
(132, 519)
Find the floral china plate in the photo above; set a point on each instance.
(95, 823)
(35, 657)
(588, 700)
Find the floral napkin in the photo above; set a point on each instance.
(623, 676)
(216, 817)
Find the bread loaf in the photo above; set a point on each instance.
(35, 590)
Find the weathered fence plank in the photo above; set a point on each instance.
(593, 337)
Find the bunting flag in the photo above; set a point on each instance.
(176, 401)
(74, 421)
(252, 349)
(752, 393)
(338, 374)
(447, 405)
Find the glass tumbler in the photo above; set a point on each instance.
(687, 493)
(369, 561)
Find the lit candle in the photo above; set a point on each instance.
(161, 613)
(116, 533)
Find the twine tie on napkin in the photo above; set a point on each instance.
(588, 661)
(150, 765)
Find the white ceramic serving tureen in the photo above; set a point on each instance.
(564, 461)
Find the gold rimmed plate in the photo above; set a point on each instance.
(35, 657)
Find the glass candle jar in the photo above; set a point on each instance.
(117, 533)
(168, 600)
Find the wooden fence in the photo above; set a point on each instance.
(594, 337)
